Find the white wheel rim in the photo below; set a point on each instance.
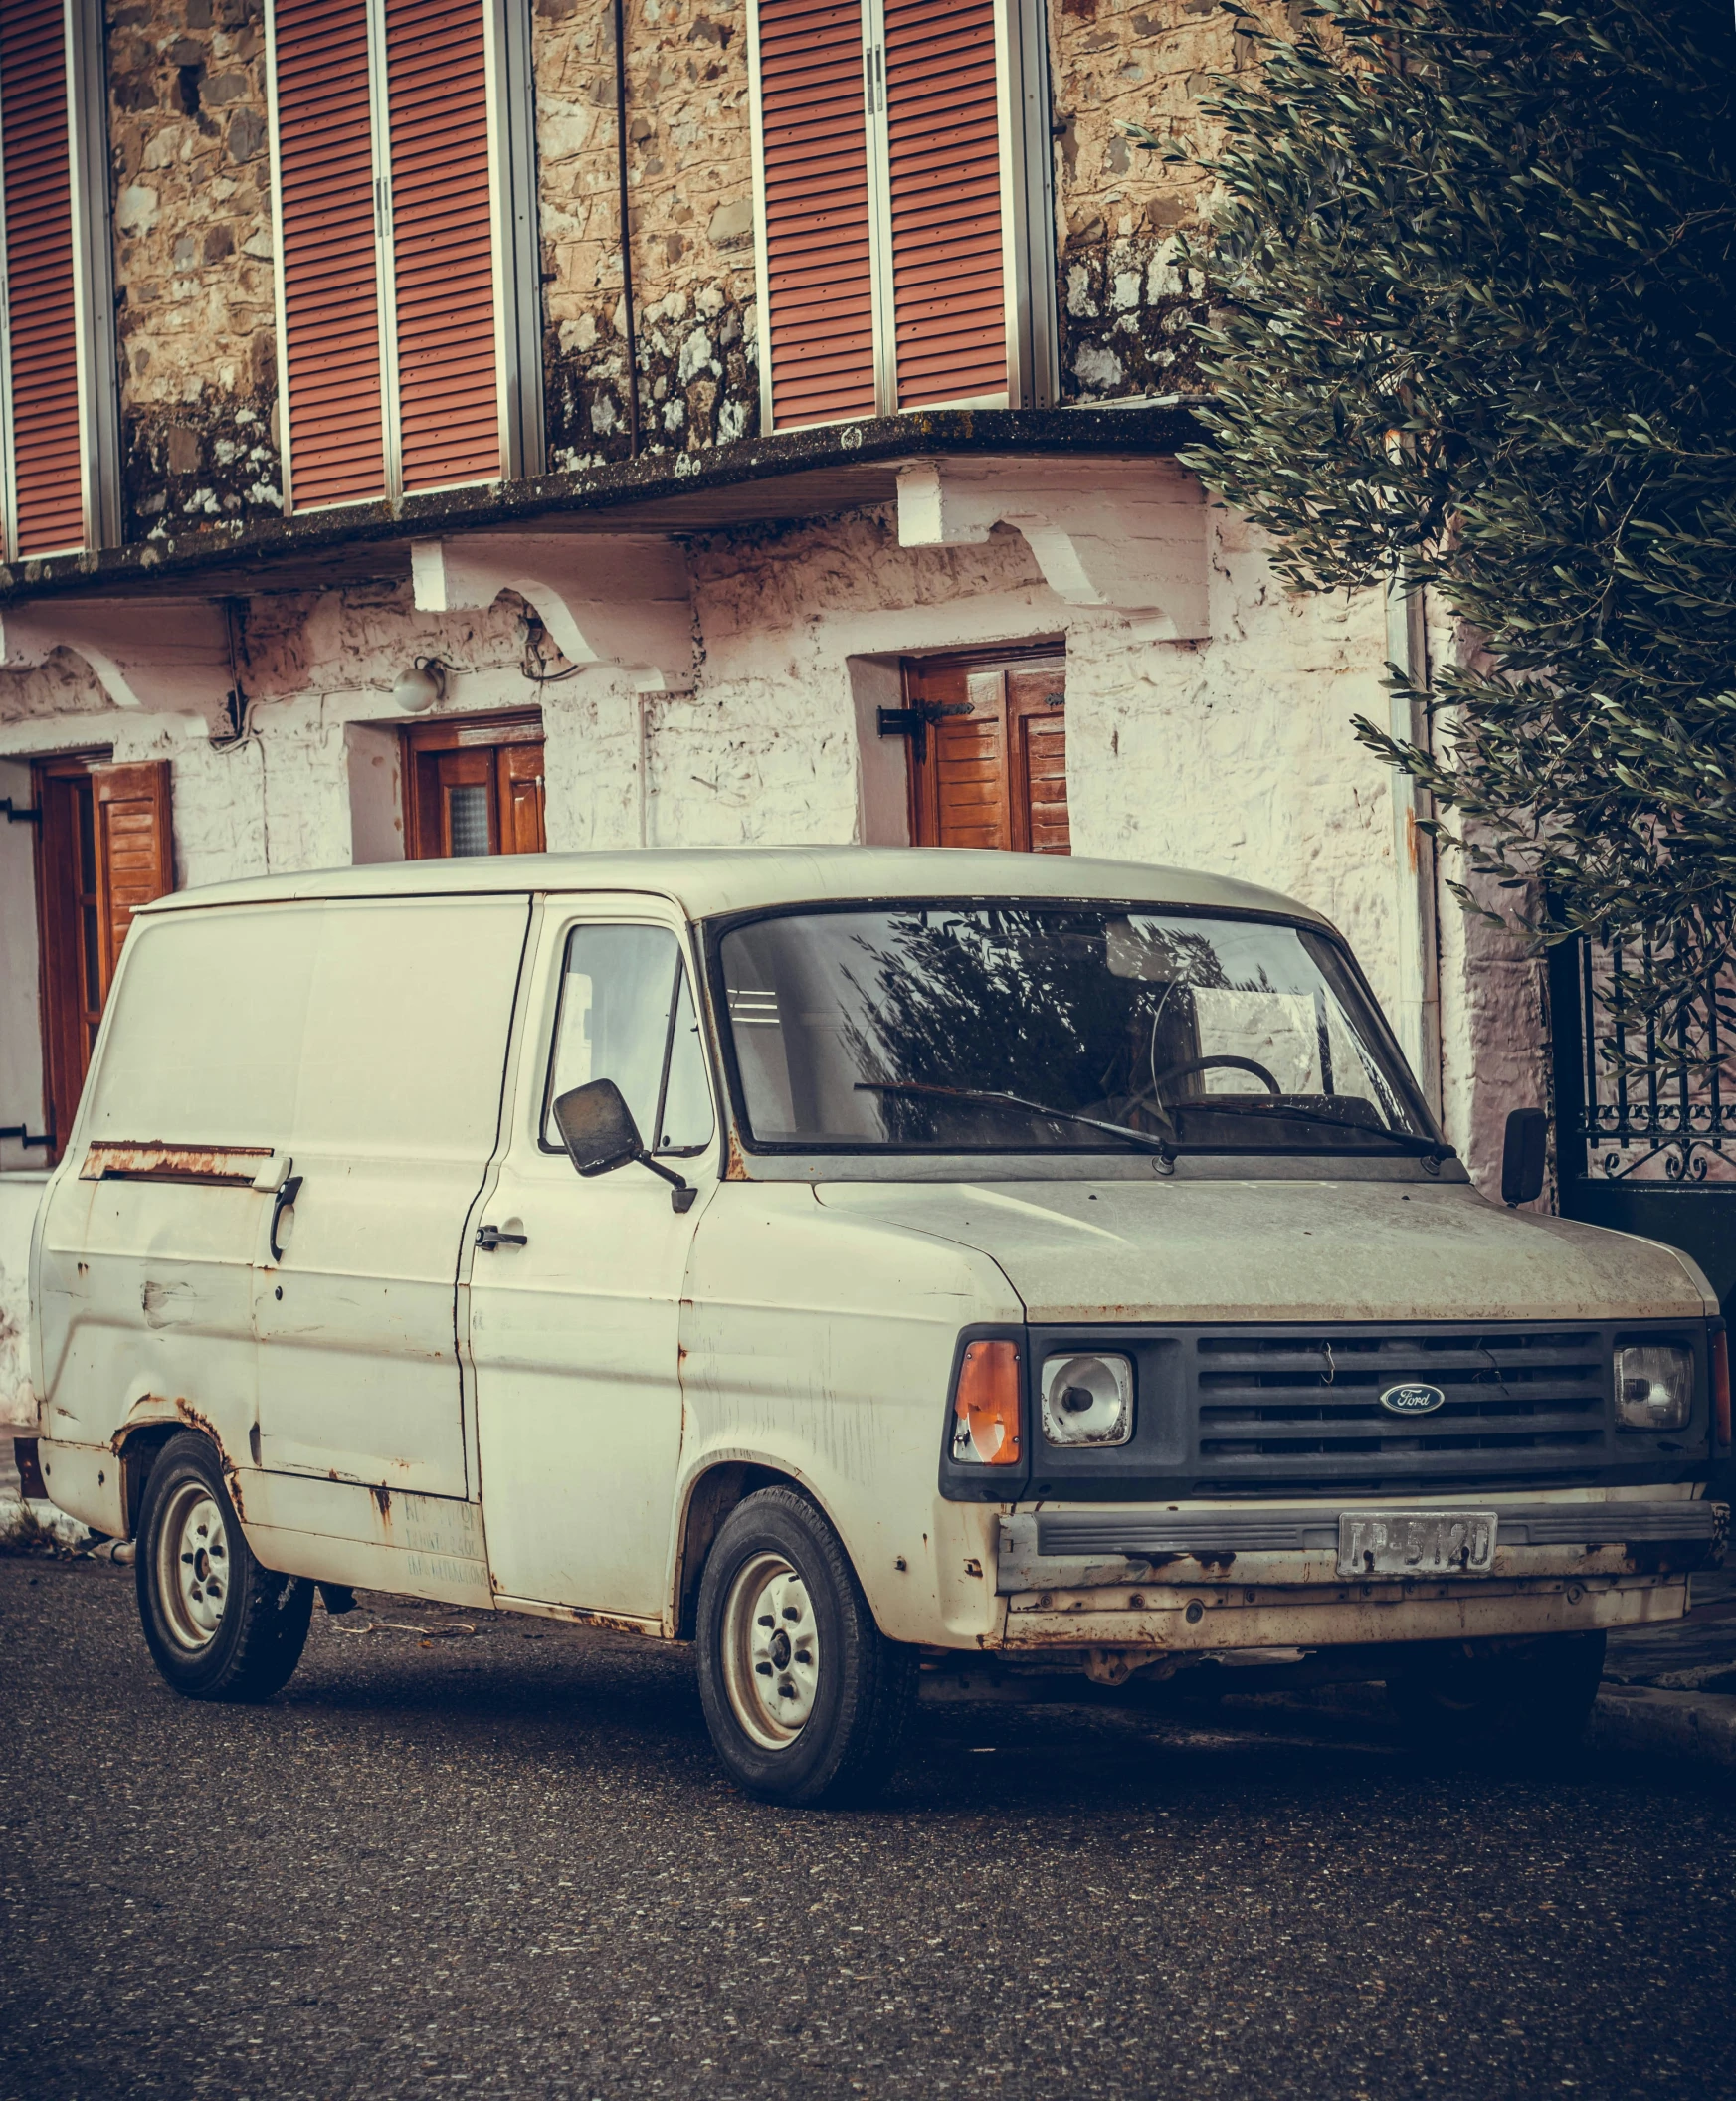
(771, 1652)
(193, 1566)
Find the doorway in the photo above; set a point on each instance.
(473, 787)
(987, 737)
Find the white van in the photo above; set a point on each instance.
(974, 1263)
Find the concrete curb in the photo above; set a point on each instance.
(1698, 1725)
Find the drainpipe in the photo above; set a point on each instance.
(626, 229)
(1417, 1009)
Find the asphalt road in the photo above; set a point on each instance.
(504, 1862)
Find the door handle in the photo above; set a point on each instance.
(490, 1238)
(288, 1191)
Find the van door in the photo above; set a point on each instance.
(146, 1240)
(574, 1312)
(399, 1068)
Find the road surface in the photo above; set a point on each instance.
(504, 1862)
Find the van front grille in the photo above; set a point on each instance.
(1252, 1411)
(1292, 1398)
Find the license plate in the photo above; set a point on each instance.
(1416, 1542)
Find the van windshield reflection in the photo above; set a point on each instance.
(1030, 1027)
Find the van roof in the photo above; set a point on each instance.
(707, 881)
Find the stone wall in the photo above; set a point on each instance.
(194, 262)
(194, 283)
(690, 186)
(1125, 303)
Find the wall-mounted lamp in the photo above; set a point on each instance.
(421, 686)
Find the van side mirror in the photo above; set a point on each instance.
(597, 1127)
(1523, 1154)
(600, 1135)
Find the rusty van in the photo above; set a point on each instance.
(873, 1267)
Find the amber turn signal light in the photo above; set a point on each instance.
(985, 1409)
(1721, 1390)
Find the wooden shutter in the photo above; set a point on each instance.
(442, 242)
(136, 856)
(992, 771)
(944, 158)
(48, 511)
(331, 294)
(521, 802)
(1036, 707)
(819, 263)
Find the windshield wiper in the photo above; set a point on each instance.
(1163, 1146)
(1434, 1148)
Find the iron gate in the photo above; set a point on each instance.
(1641, 1150)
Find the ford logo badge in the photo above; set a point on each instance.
(1415, 1400)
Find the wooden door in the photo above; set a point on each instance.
(104, 849)
(990, 766)
(473, 788)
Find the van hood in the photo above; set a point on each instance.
(1214, 1250)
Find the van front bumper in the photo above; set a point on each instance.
(1185, 1579)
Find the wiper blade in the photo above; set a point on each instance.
(1220, 1106)
(1163, 1146)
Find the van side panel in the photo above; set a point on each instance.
(396, 1114)
(328, 1072)
(420, 1546)
(146, 1272)
(821, 1345)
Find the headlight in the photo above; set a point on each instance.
(985, 1409)
(1654, 1385)
(1088, 1400)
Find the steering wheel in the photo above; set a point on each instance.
(1222, 1061)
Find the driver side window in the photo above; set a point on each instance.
(627, 1014)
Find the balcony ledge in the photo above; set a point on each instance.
(788, 476)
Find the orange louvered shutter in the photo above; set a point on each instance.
(944, 138)
(136, 857)
(41, 312)
(443, 242)
(329, 266)
(819, 265)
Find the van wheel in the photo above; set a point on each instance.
(806, 1699)
(218, 1625)
(1526, 1702)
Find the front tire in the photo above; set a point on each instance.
(805, 1698)
(1526, 1703)
(218, 1625)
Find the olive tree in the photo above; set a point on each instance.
(1472, 328)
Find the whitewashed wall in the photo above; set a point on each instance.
(1234, 754)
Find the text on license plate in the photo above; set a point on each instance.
(1416, 1542)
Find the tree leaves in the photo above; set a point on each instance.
(1472, 278)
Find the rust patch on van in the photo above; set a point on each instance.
(383, 1503)
(607, 1623)
(735, 1164)
(226, 1166)
(230, 1472)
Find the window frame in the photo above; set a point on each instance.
(511, 93)
(687, 965)
(1027, 253)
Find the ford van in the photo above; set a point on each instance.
(882, 1269)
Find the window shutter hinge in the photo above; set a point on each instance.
(912, 722)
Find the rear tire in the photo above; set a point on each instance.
(805, 1698)
(218, 1625)
(1527, 1703)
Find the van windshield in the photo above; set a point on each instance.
(1019, 1027)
